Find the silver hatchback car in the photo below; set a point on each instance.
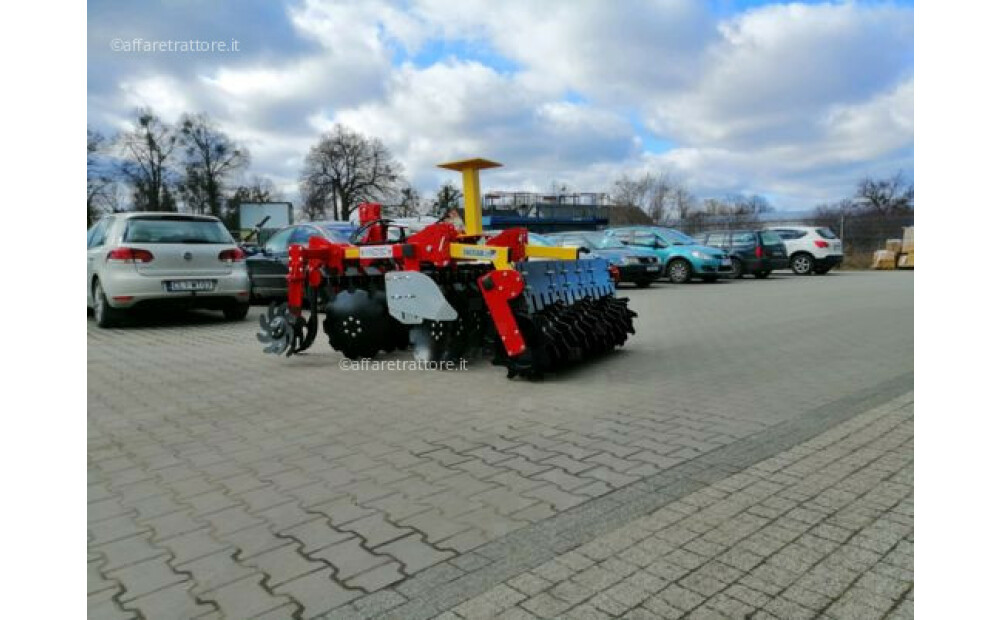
(151, 258)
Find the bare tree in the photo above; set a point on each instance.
(409, 203)
(147, 150)
(885, 196)
(211, 158)
(346, 169)
(650, 192)
(99, 179)
(682, 202)
(448, 197)
(314, 203)
(629, 192)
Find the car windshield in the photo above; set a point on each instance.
(336, 233)
(174, 229)
(673, 237)
(826, 233)
(603, 241)
(574, 241)
(770, 238)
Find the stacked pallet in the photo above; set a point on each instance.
(898, 253)
(905, 259)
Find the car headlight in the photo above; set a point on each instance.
(632, 260)
(701, 255)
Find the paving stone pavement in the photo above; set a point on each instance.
(223, 483)
(824, 530)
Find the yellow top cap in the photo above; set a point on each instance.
(477, 163)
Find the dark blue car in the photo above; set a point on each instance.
(268, 269)
(636, 265)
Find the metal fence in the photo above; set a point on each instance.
(861, 234)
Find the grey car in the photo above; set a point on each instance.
(143, 259)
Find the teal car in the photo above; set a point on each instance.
(684, 258)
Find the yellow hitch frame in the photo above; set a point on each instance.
(474, 220)
(470, 190)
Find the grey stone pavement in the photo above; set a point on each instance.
(226, 483)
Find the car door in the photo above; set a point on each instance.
(744, 245)
(97, 238)
(268, 270)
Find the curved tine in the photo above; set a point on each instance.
(295, 341)
(312, 325)
(312, 328)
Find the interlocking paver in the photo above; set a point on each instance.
(175, 601)
(126, 551)
(245, 598)
(316, 592)
(413, 553)
(377, 578)
(181, 451)
(144, 577)
(283, 564)
(349, 557)
(776, 563)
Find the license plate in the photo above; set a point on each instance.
(176, 286)
(652, 268)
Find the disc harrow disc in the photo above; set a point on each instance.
(358, 323)
(561, 334)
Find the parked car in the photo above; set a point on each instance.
(683, 256)
(811, 249)
(268, 268)
(752, 251)
(149, 258)
(637, 265)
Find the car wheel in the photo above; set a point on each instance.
(821, 270)
(802, 264)
(760, 275)
(643, 283)
(679, 271)
(104, 314)
(737, 269)
(236, 311)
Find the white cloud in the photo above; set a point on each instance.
(793, 101)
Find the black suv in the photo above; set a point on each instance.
(753, 251)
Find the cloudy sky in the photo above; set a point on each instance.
(791, 101)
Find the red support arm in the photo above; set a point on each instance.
(499, 288)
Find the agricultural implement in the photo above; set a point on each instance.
(446, 293)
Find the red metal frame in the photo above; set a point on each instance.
(499, 287)
(432, 245)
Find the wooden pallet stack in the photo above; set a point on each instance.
(898, 253)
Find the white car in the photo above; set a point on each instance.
(811, 249)
(146, 258)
